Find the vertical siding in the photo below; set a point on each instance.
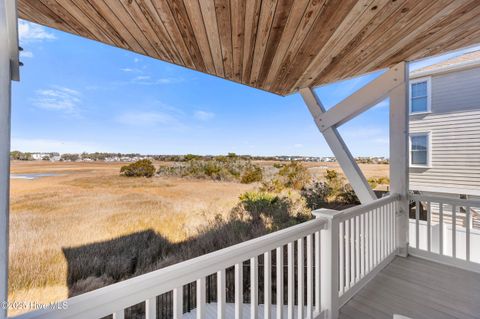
(455, 134)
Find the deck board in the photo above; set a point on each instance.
(417, 289)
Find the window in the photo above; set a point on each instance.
(420, 149)
(420, 95)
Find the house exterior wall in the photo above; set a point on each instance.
(454, 127)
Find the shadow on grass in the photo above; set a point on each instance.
(100, 264)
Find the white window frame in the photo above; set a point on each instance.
(428, 134)
(427, 79)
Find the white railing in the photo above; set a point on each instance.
(301, 244)
(445, 230)
(305, 271)
(365, 243)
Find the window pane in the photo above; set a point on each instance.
(419, 104)
(419, 89)
(419, 143)
(419, 157)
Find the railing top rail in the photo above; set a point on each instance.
(361, 209)
(104, 301)
(446, 200)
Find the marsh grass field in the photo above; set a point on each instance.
(87, 204)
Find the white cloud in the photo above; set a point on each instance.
(59, 99)
(52, 145)
(203, 115)
(142, 78)
(26, 54)
(298, 145)
(148, 119)
(148, 80)
(31, 32)
(133, 70)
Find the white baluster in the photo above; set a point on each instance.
(468, 224)
(300, 279)
(341, 261)
(417, 223)
(429, 227)
(309, 278)
(267, 284)
(239, 291)
(254, 288)
(318, 305)
(347, 254)
(440, 229)
(151, 308)
(177, 303)
(280, 283)
(362, 245)
(201, 298)
(221, 294)
(454, 231)
(291, 283)
(120, 314)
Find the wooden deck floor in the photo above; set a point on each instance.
(417, 289)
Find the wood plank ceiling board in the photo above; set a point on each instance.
(224, 22)
(210, 21)
(238, 8)
(274, 45)
(196, 20)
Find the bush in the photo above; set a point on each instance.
(316, 195)
(375, 181)
(141, 168)
(347, 196)
(331, 193)
(294, 175)
(221, 168)
(270, 211)
(252, 173)
(290, 176)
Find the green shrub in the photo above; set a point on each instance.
(141, 168)
(251, 174)
(220, 168)
(271, 211)
(317, 195)
(347, 196)
(375, 181)
(333, 192)
(290, 176)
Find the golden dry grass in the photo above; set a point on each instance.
(90, 203)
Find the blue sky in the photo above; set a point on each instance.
(79, 95)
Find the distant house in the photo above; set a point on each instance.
(444, 131)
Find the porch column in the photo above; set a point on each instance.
(8, 71)
(399, 157)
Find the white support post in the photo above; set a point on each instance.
(340, 150)
(399, 157)
(329, 247)
(8, 72)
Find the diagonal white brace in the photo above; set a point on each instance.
(340, 150)
(363, 99)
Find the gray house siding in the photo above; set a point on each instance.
(454, 125)
(456, 91)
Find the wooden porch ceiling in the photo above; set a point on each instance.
(275, 45)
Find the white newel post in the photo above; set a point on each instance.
(8, 71)
(329, 242)
(399, 157)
